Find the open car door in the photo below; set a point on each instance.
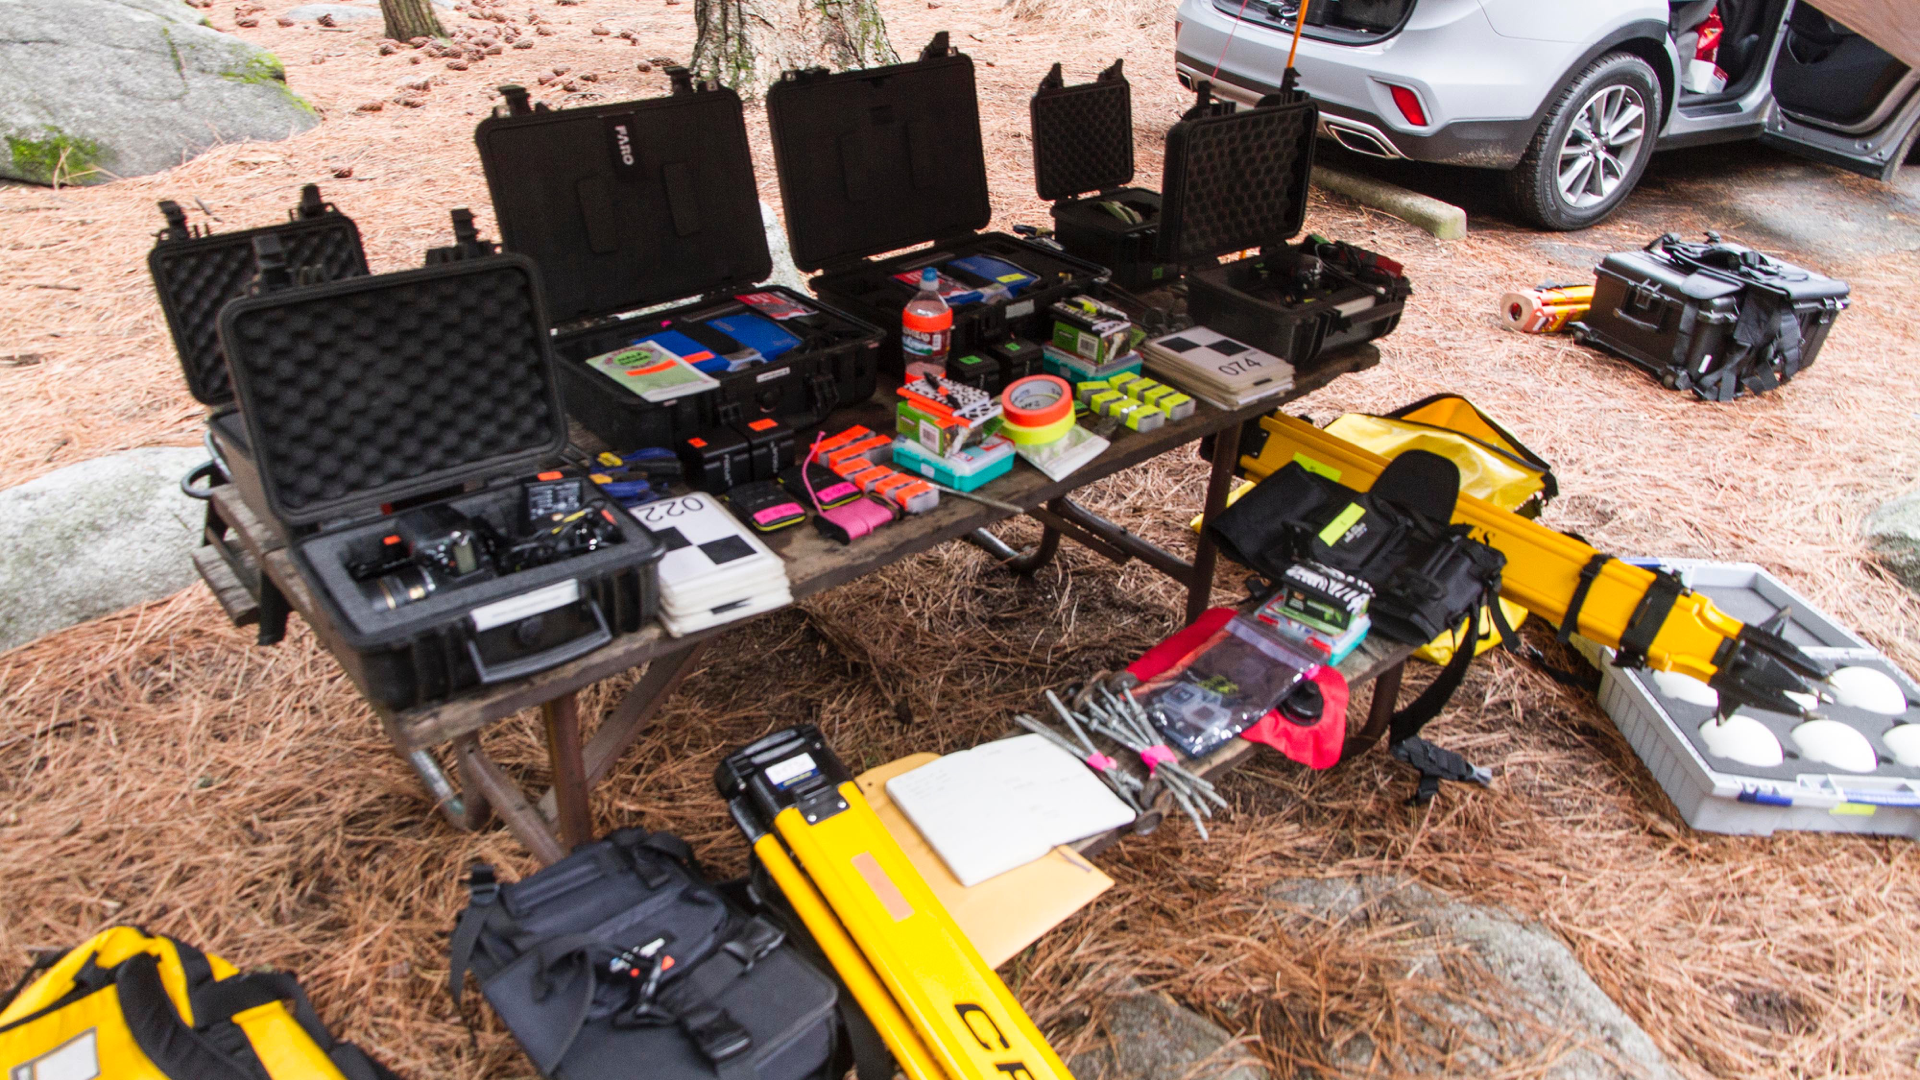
(1846, 83)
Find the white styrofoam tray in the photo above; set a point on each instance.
(1716, 799)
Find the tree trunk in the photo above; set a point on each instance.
(409, 19)
(746, 44)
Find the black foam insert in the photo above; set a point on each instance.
(367, 391)
(1082, 136)
(1236, 181)
(195, 276)
(630, 204)
(878, 159)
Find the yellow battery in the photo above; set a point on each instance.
(1086, 388)
(1175, 404)
(1123, 382)
(1137, 415)
(1102, 403)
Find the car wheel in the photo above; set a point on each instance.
(1592, 146)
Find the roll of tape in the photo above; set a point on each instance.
(1037, 401)
(1038, 436)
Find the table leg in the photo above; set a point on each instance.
(632, 716)
(1386, 695)
(1226, 454)
(1020, 562)
(478, 772)
(562, 718)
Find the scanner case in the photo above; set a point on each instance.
(879, 159)
(639, 204)
(1237, 179)
(375, 396)
(1083, 157)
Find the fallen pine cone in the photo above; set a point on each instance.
(246, 24)
(388, 48)
(419, 41)
(644, 66)
(327, 19)
(345, 172)
(561, 69)
(371, 106)
(284, 21)
(544, 31)
(601, 31)
(458, 65)
(589, 77)
(523, 43)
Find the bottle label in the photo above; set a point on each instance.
(924, 343)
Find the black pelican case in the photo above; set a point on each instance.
(1717, 318)
(638, 204)
(368, 398)
(1083, 142)
(875, 160)
(1237, 179)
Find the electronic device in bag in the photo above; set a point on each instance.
(636, 204)
(1083, 164)
(876, 160)
(1237, 179)
(399, 425)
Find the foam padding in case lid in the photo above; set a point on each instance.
(366, 391)
(1082, 136)
(196, 276)
(629, 204)
(878, 159)
(1236, 181)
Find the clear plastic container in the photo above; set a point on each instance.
(926, 329)
(1224, 686)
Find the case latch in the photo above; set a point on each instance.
(271, 272)
(466, 241)
(1055, 80)
(177, 228)
(937, 48)
(681, 80)
(311, 204)
(519, 102)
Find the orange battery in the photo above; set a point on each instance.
(912, 494)
(842, 439)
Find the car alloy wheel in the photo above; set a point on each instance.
(1601, 147)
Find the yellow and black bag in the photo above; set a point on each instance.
(128, 1005)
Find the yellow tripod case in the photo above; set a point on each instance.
(1648, 616)
(936, 1004)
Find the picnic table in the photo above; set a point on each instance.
(249, 569)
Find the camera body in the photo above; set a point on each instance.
(427, 549)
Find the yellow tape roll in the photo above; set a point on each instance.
(1039, 436)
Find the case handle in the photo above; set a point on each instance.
(541, 661)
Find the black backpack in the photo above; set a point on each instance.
(1428, 575)
(622, 957)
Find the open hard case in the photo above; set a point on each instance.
(196, 272)
(371, 402)
(1237, 179)
(1083, 142)
(876, 160)
(643, 203)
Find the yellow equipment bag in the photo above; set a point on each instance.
(1494, 466)
(128, 1005)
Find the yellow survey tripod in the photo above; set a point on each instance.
(934, 1002)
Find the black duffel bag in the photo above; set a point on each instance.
(621, 959)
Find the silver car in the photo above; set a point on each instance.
(1570, 97)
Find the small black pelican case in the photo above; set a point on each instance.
(1717, 318)
(875, 160)
(1237, 179)
(393, 391)
(1083, 142)
(642, 203)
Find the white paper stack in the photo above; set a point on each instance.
(1215, 368)
(714, 570)
(1002, 805)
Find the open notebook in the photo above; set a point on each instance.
(1001, 915)
(1004, 804)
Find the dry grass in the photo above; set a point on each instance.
(156, 768)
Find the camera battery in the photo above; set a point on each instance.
(1017, 357)
(765, 505)
(1319, 596)
(551, 496)
(979, 372)
(770, 446)
(716, 460)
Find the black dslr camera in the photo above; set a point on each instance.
(428, 548)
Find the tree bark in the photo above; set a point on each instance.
(746, 44)
(409, 19)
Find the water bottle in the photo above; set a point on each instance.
(926, 329)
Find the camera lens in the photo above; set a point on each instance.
(400, 588)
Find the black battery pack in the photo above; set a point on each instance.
(716, 460)
(770, 446)
(1017, 357)
(977, 371)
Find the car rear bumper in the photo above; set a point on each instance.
(1487, 144)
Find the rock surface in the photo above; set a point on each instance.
(1148, 1037)
(1894, 533)
(94, 89)
(93, 538)
(1529, 1008)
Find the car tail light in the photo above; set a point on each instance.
(1410, 106)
